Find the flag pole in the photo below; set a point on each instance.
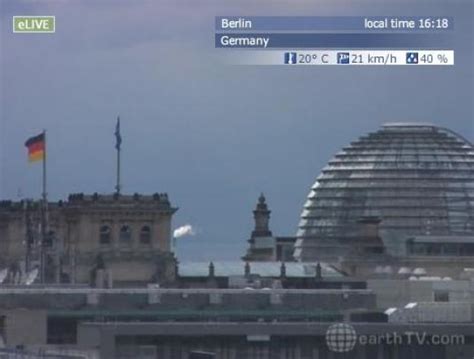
(45, 195)
(118, 142)
(117, 186)
(44, 215)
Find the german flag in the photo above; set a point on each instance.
(36, 147)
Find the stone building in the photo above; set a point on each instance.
(96, 239)
(263, 246)
(323, 323)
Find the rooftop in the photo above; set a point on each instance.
(263, 269)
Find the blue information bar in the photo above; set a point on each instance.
(334, 23)
(328, 41)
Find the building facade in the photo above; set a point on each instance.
(95, 239)
(242, 323)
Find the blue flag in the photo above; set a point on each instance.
(118, 137)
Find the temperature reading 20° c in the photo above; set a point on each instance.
(311, 58)
(307, 58)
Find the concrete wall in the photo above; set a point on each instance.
(266, 341)
(195, 299)
(433, 312)
(396, 293)
(459, 290)
(24, 326)
(11, 301)
(66, 351)
(399, 292)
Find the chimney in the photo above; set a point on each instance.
(247, 269)
(211, 270)
(319, 274)
(282, 270)
(369, 238)
(369, 226)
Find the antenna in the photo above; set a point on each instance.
(118, 144)
(3, 275)
(31, 276)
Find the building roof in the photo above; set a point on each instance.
(417, 178)
(136, 201)
(263, 269)
(442, 239)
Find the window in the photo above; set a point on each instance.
(125, 234)
(441, 296)
(50, 237)
(61, 330)
(145, 235)
(105, 235)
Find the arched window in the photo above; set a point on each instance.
(105, 235)
(125, 234)
(145, 235)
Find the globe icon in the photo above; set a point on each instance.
(341, 337)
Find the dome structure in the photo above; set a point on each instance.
(418, 179)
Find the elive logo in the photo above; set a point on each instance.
(34, 24)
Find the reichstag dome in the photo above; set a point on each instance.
(418, 179)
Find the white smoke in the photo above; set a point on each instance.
(186, 230)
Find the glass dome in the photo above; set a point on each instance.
(417, 179)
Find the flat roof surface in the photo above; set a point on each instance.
(263, 269)
(442, 239)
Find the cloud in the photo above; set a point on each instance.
(186, 230)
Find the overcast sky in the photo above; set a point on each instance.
(211, 135)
